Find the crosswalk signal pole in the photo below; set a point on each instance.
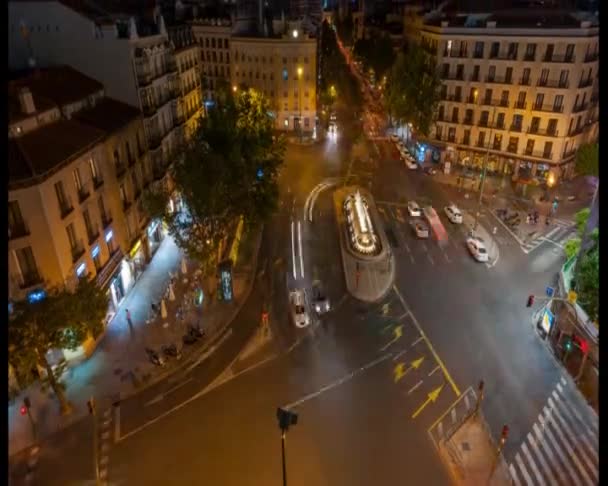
(501, 443)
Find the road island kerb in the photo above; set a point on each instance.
(369, 276)
(468, 220)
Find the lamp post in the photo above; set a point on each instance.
(300, 70)
(484, 169)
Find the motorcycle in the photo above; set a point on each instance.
(171, 351)
(155, 358)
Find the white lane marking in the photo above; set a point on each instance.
(552, 242)
(293, 250)
(313, 200)
(399, 354)
(546, 469)
(540, 438)
(556, 446)
(436, 368)
(339, 382)
(440, 429)
(116, 423)
(430, 258)
(513, 472)
(417, 341)
(537, 474)
(447, 259)
(466, 402)
(311, 194)
(572, 437)
(300, 249)
(414, 387)
(593, 421)
(162, 396)
(407, 247)
(453, 415)
(522, 468)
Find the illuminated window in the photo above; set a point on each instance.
(285, 74)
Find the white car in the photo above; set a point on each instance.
(477, 248)
(420, 228)
(413, 209)
(453, 214)
(394, 138)
(297, 304)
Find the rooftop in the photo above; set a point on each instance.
(108, 115)
(38, 153)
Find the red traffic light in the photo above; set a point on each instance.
(582, 343)
(530, 301)
(505, 432)
(23, 410)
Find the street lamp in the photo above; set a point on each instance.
(300, 71)
(234, 88)
(485, 166)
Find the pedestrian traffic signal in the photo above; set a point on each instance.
(582, 343)
(530, 301)
(23, 409)
(505, 432)
(568, 343)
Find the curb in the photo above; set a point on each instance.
(208, 343)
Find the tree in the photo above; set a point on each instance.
(63, 320)
(581, 219)
(587, 279)
(227, 170)
(413, 89)
(376, 53)
(587, 159)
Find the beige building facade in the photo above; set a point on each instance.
(285, 70)
(522, 93)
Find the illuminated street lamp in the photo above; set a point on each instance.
(300, 71)
(234, 88)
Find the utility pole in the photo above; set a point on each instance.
(483, 173)
(286, 419)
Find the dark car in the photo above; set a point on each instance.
(320, 301)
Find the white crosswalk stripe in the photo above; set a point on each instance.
(562, 447)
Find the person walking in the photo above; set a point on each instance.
(129, 321)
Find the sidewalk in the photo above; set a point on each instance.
(471, 455)
(119, 366)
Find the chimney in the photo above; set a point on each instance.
(26, 100)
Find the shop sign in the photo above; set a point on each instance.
(136, 246)
(35, 296)
(546, 322)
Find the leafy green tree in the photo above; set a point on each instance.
(572, 247)
(587, 280)
(413, 89)
(227, 170)
(63, 320)
(587, 159)
(376, 53)
(581, 219)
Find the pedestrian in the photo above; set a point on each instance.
(129, 321)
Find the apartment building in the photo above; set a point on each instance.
(188, 61)
(78, 163)
(518, 85)
(284, 68)
(126, 49)
(213, 37)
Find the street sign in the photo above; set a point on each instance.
(550, 291)
(546, 322)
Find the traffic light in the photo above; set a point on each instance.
(530, 301)
(23, 410)
(582, 343)
(286, 418)
(568, 343)
(504, 433)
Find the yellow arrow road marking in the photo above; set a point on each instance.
(432, 397)
(398, 332)
(400, 370)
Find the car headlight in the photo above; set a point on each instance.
(318, 308)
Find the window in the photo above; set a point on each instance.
(540, 98)
(500, 120)
(530, 52)
(481, 138)
(438, 132)
(483, 119)
(504, 98)
(466, 138)
(61, 199)
(448, 48)
(16, 225)
(105, 217)
(95, 255)
(77, 182)
(110, 242)
(549, 52)
(547, 150)
(552, 126)
(508, 75)
(123, 194)
(72, 236)
(475, 76)
(306, 122)
(517, 122)
(455, 115)
(87, 223)
(460, 71)
(441, 112)
(513, 143)
(285, 74)
(491, 73)
(521, 100)
(529, 147)
(563, 78)
(494, 48)
(478, 53)
(488, 97)
(497, 141)
(451, 134)
(463, 49)
(213, 42)
(534, 124)
(544, 76)
(225, 43)
(525, 77)
(558, 103)
(457, 93)
(512, 52)
(116, 158)
(27, 266)
(569, 52)
(445, 70)
(207, 42)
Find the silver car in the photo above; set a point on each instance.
(320, 301)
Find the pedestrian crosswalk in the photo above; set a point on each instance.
(558, 235)
(561, 448)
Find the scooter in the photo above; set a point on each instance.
(154, 357)
(171, 351)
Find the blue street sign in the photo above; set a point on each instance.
(550, 291)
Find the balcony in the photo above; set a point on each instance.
(490, 102)
(503, 103)
(474, 77)
(512, 149)
(482, 144)
(496, 146)
(585, 83)
(524, 81)
(455, 54)
(453, 119)
(83, 194)
(468, 121)
(483, 123)
(77, 251)
(549, 108)
(97, 182)
(18, 230)
(530, 57)
(580, 107)
(471, 100)
(121, 170)
(499, 80)
(149, 109)
(558, 58)
(453, 77)
(539, 154)
(576, 130)
(131, 160)
(66, 208)
(93, 234)
(106, 220)
(515, 128)
(155, 142)
(29, 279)
(477, 54)
(504, 56)
(553, 83)
(465, 141)
(451, 139)
(591, 57)
(457, 98)
(542, 131)
(520, 105)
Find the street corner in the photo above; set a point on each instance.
(452, 417)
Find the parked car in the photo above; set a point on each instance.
(477, 248)
(297, 304)
(421, 229)
(320, 300)
(413, 209)
(453, 213)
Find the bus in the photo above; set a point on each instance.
(439, 231)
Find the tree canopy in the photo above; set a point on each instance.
(227, 170)
(63, 320)
(587, 159)
(376, 53)
(413, 89)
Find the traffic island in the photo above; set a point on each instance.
(468, 220)
(368, 262)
